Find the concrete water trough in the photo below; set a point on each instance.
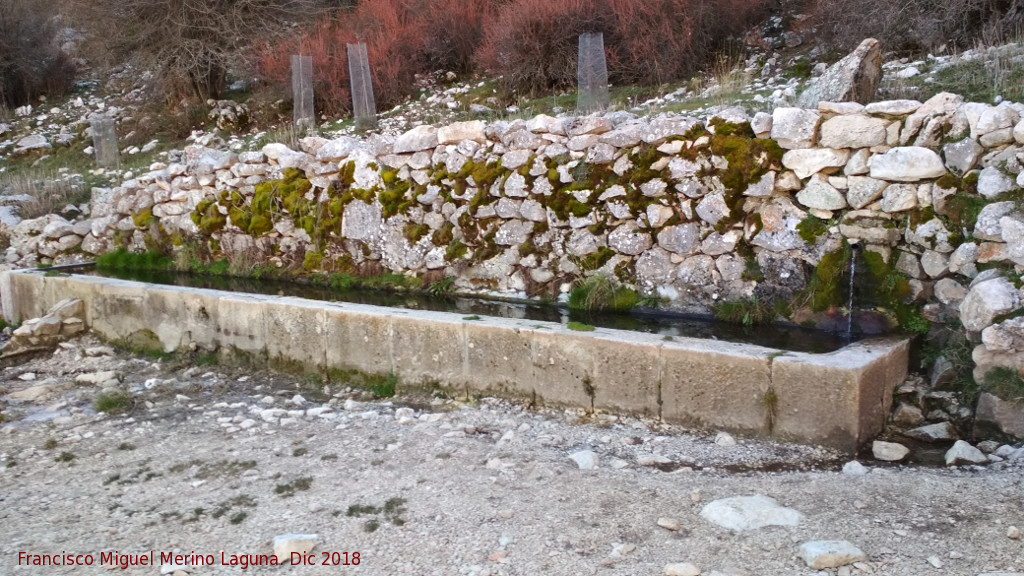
(838, 399)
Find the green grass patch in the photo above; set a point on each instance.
(122, 259)
(750, 312)
(1005, 383)
(114, 402)
(602, 293)
(289, 489)
(975, 80)
(391, 511)
(384, 386)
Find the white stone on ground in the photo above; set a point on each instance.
(889, 451)
(681, 569)
(669, 524)
(585, 459)
(934, 432)
(963, 453)
(822, 554)
(749, 513)
(725, 439)
(285, 544)
(854, 468)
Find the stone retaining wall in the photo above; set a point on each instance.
(839, 399)
(695, 213)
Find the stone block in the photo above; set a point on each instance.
(716, 384)
(841, 398)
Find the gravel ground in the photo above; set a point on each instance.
(219, 460)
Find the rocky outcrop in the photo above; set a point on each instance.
(62, 321)
(855, 78)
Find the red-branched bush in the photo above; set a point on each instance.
(394, 45)
(454, 30)
(533, 43)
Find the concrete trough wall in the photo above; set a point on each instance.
(838, 399)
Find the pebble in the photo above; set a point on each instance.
(725, 439)
(27, 376)
(585, 459)
(620, 549)
(935, 561)
(854, 468)
(822, 554)
(652, 460)
(889, 451)
(1013, 533)
(681, 569)
(669, 524)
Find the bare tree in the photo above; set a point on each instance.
(31, 62)
(191, 44)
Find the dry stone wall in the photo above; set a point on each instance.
(694, 212)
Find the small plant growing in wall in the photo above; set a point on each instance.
(770, 403)
(383, 386)
(602, 293)
(580, 327)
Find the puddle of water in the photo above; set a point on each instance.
(640, 320)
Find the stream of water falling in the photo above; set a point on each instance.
(849, 303)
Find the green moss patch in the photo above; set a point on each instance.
(825, 289)
(413, 232)
(811, 228)
(122, 259)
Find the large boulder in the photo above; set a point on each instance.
(855, 78)
(986, 301)
(907, 164)
(459, 131)
(32, 142)
(996, 416)
(853, 131)
(808, 161)
(742, 513)
(794, 128)
(419, 138)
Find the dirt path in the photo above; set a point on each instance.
(209, 464)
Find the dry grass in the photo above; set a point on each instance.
(49, 190)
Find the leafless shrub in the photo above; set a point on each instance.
(191, 43)
(907, 25)
(31, 62)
